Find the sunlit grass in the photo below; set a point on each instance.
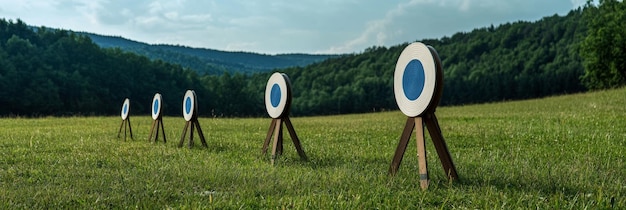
(553, 153)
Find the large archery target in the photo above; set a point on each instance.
(415, 79)
(157, 103)
(189, 105)
(277, 95)
(125, 109)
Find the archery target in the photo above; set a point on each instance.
(157, 103)
(189, 105)
(277, 95)
(125, 109)
(415, 79)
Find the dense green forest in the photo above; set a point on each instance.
(57, 72)
(512, 61)
(208, 61)
(46, 72)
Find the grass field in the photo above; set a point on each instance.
(564, 152)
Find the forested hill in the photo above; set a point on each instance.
(49, 72)
(208, 61)
(511, 61)
(55, 72)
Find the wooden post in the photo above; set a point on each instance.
(421, 152)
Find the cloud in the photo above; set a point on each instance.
(376, 32)
(413, 20)
(280, 26)
(578, 3)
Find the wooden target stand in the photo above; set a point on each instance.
(157, 116)
(419, 106)
(277, 103)
(125, 120)
(190, 108)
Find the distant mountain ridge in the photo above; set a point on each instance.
(209, 61)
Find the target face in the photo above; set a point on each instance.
(277, 95)
(157, 102)
(189, 105)
(415, 79)
(125, 109)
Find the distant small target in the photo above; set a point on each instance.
(125, 109)
(157, 102)
(125, 119)
(189, 105)
(277, 95)
(190, 113)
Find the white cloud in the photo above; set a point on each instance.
(200, 18)
(578, 3)
(279, 26)
(377, 30)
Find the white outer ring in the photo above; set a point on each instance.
(191, 95)
(122, 114)
(415, 51)
(281, 80)
(158, 113)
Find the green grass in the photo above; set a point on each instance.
(564, 152)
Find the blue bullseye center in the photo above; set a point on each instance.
(413, 79)
(125, 109)
(188, 105)
(275, 95)
(155, 109)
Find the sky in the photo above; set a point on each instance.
(279, 26)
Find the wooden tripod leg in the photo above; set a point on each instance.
(440, 145)
(294, 138)
(162, 129)
(277, 130)
(125, 122)
(404, 141)
(201, 134)
(268, 137)
(182, 138)
(130, 129)
(152, 130)
(156, 137)
(279, 150)
(120, 131)
(191, 130)
(421, 152)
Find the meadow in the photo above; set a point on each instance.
(564, 152)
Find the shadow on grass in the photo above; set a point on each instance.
(516, 181)
(328, 161)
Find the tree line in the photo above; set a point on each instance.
(57, 72)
